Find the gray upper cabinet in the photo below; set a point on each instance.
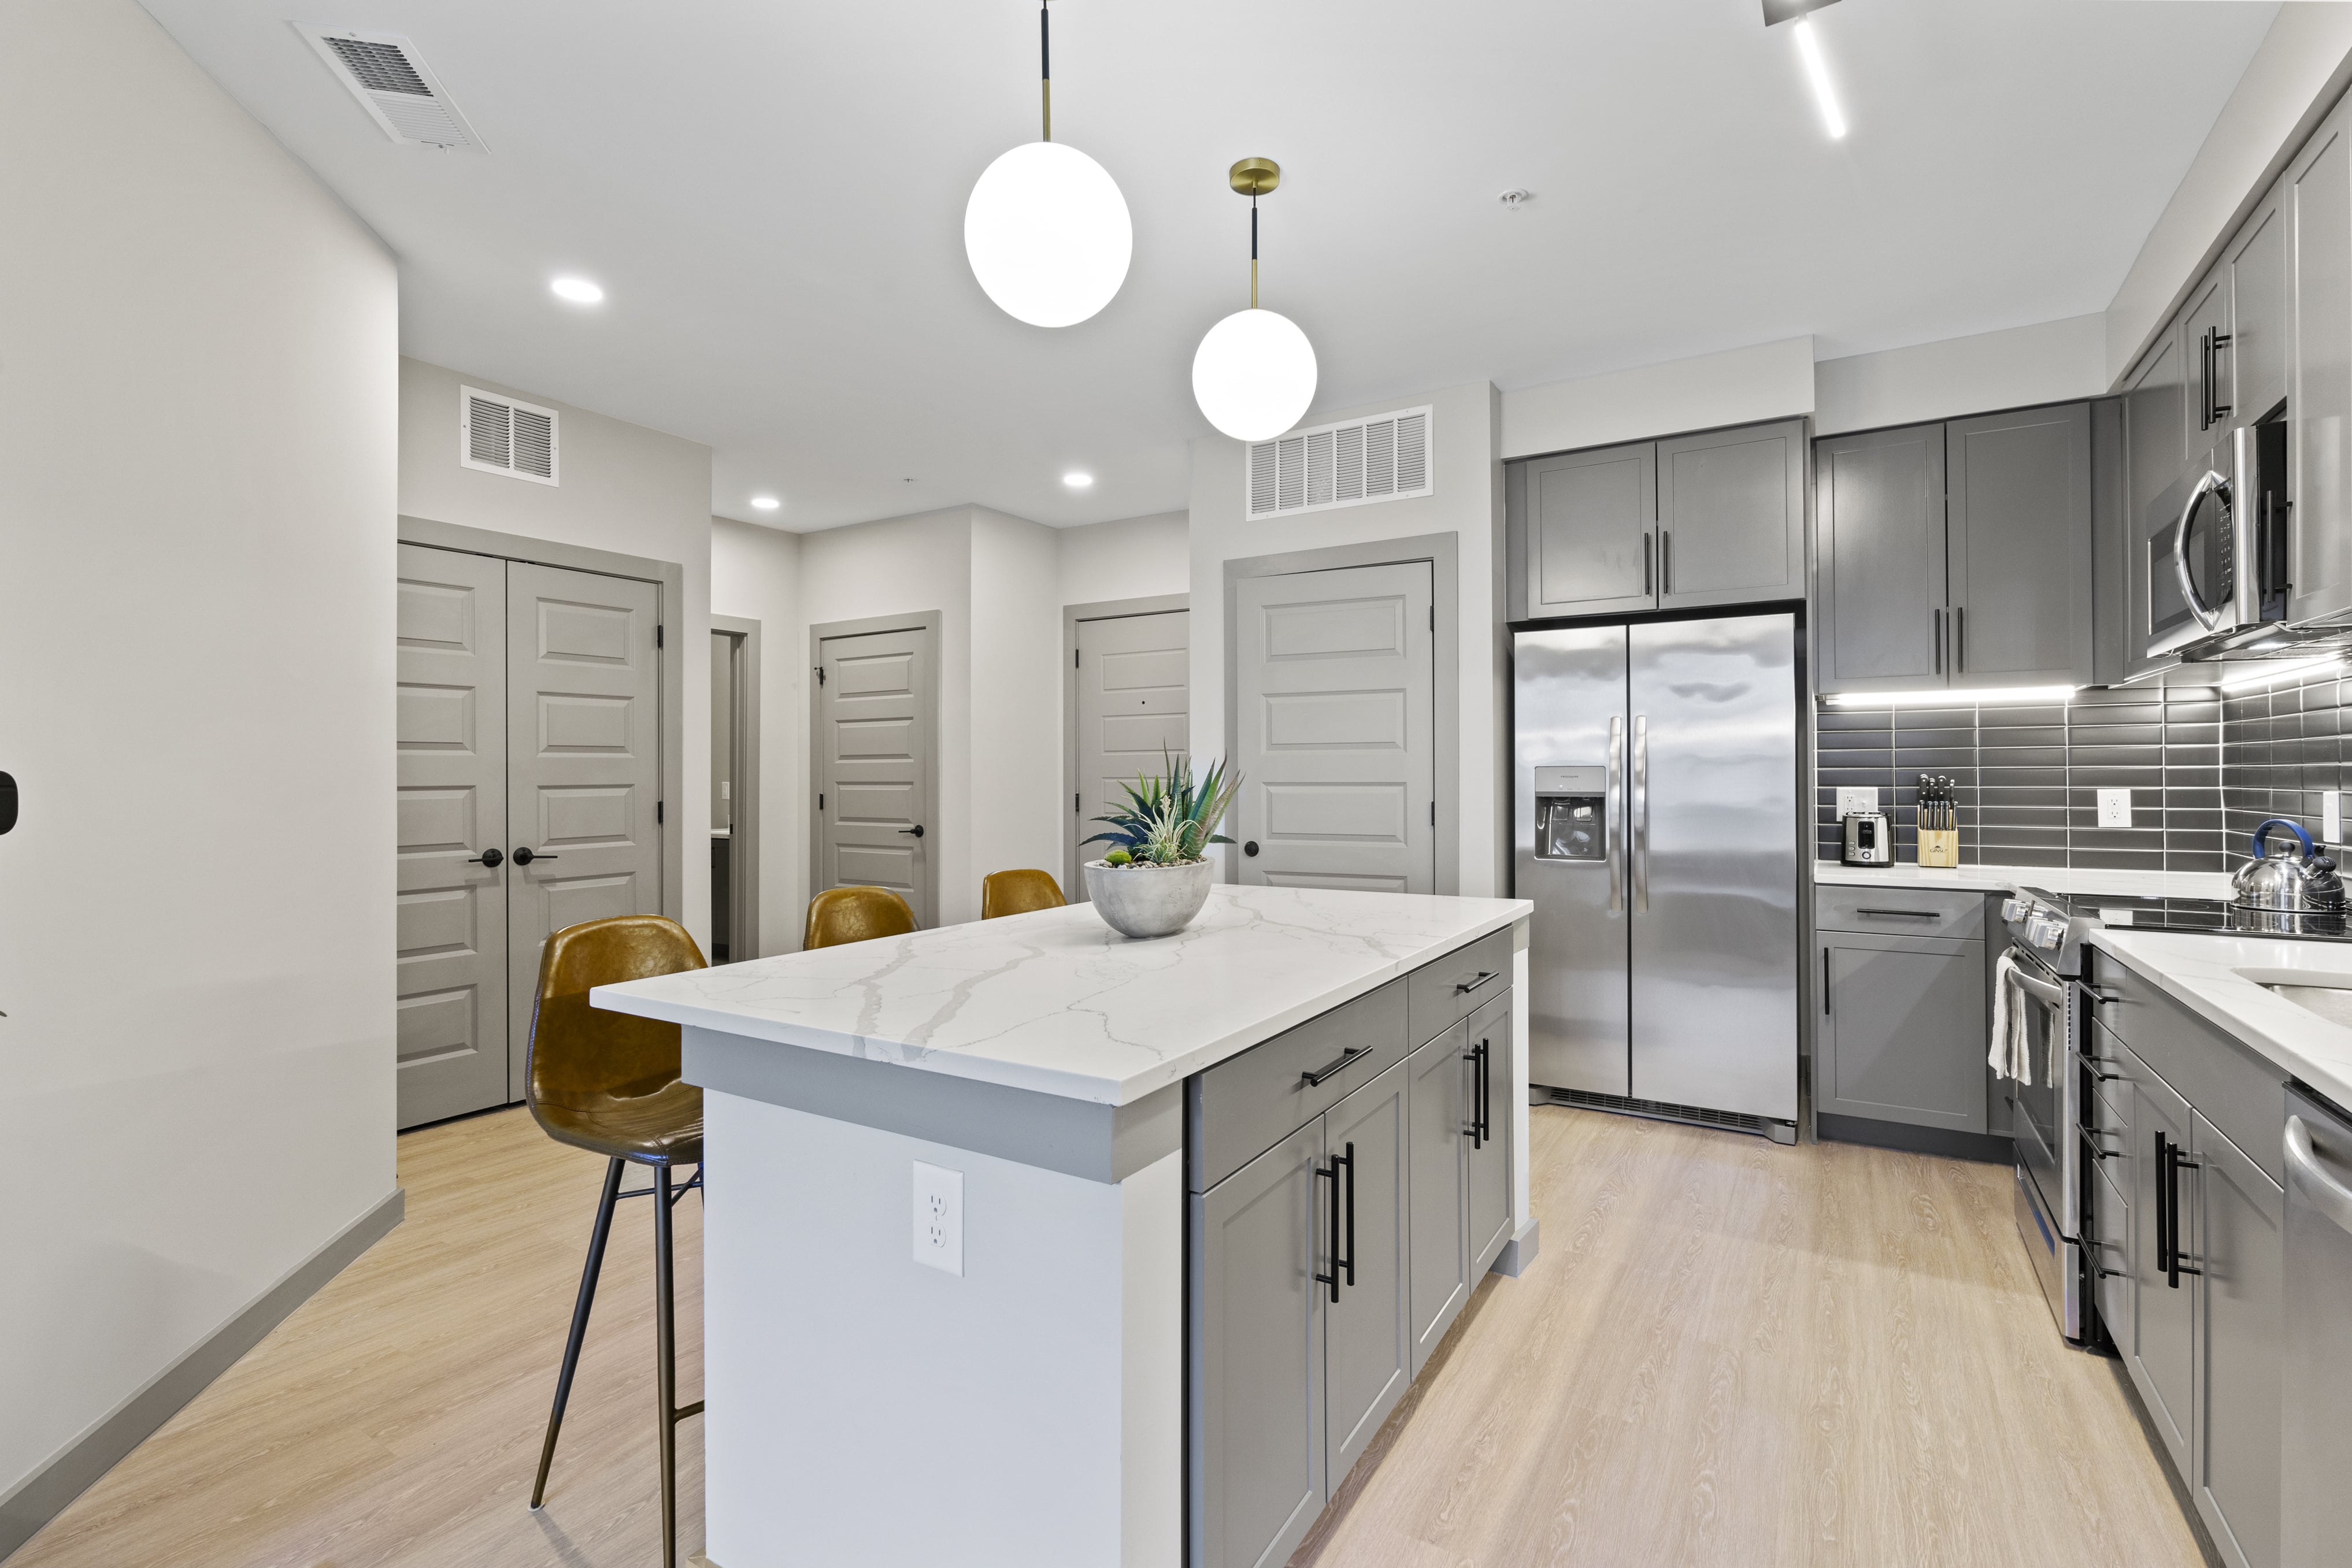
(2156, 436)
(1367, 1345)
(1732, 516)
(2319, 401)
(2240, 1286)
(2205, 344)
(2259, 321)
(1590, 522)
(1437, 1076)
(1878, 510)
(2020, 531)
(1902, 1032)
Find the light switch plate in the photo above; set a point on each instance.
(1857, 797)
(2114, 807)
(2331, 816)
(939, 1219)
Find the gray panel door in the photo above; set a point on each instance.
(1133, 691)
(1437, 1113)
(2320, 554)
(877, 726)
(2160, 1356)
(583, 764)
(1368, 1343)
(2259, 343)
(1902, 1032)
(1879, 510)
(1257, 1461)
(1488, 1179)
(1569, 708)
(1590, 526)
(2205, 365)
(1713, 810)
(2155, 415)
(1335, 687)
(2020, 532)
(1732, 516)
(452, 773)
(2238, 1408)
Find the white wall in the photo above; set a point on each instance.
(197, 416)
(2049, 361)
(626, 490)
(755, 573)
(1017, 814)
(1466, 502)
(1738, 386)
(2295, 75)
(1136, 557)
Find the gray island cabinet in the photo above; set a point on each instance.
(1027, 1243)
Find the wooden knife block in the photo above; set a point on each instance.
(1939, 848)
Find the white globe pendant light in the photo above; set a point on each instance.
(1046, 229)
(1253, 374)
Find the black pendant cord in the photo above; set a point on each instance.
(1046, 66)
(1253, 250)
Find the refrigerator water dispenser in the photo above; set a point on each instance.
(1571, 813)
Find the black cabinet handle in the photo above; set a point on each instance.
(1315, 1075)
(1959, 638)
(2095, 1063)
(2169, 1163)
(1463, 988)
(1482, 1129)
(1665, 561)
(526, 854)
(493, 857)
(1825, 982)
(915, 832)
(1331, 1278)
(1903, 914)
(2091, 1145)
(1347, 1265)
(1646, 543)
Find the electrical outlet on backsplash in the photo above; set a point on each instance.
(2204, 765)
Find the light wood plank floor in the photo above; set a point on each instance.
(1732, 1353)
(1728, 1352)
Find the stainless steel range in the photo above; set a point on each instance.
(2046, 934)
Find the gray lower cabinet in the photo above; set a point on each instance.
(1902, 1032)
(2163, 1336)
(1437, 1107)
(1367, 1339)
(2240, 1216)
(1732, 516)
(1259, 1461)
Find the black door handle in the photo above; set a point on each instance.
(915, 831)
(1480, 1079)
(526, 854)
(493, 858)
(1346, 1266)
(1331, 1278)
(1250, 848)
(1316, 1076)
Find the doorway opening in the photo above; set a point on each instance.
(734, 789)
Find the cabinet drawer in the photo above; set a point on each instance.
(1900, 910)
(2106, 1127)
(1442, 993)
(2109, 1082)
(2239, 1093)
(2109, 1244)
(1245, 1104)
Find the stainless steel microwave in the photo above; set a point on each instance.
(2216, 549)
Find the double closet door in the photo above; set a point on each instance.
(529, 771)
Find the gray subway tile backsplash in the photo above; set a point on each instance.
(2204, 769)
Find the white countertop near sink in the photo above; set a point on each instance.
(2048, 878)
(1057, 1001)
(2203, 971)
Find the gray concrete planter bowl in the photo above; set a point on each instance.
(1148, 900)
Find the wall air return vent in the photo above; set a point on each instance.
(1382, 459)
(395, 86)
(503, 436)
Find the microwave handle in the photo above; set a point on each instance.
(2245, 527)
(2208, 616)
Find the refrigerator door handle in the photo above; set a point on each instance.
(1640, 814)
(1613, 806)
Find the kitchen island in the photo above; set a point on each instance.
(945, 1253)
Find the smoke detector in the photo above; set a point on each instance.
(395, 87)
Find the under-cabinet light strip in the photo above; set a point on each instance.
(1948, 696)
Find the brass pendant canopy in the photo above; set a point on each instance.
(1255, 176)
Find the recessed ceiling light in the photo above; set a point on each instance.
(578, 291)
(1077, 481)
(766, 503)
(1817, 71)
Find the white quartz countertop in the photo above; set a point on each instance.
(1058, 1002)
(2048, 878)
(2219, 977)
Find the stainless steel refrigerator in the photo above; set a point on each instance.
(1657, 831)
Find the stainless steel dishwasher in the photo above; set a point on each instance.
(2317, 1453)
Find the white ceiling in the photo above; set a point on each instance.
(773, 196)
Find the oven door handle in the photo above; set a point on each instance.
(2039, 990)
(2208, 616)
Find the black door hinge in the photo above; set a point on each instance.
(1433, 617)
(1074, 807)
(1433, 813)
(658, 807)
(658, 634)
(819, 800)
(1073, 658)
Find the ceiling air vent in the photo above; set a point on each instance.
(1382, 459)
(504, 436)
(381, 70)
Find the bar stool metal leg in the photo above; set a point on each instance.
(588, 1275)
(665, 1364)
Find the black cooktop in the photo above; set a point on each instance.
(2210, 914)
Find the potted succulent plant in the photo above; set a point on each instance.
(1157, 874)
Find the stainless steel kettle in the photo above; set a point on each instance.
(2282, 882)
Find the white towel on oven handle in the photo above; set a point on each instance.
(2009, 1055)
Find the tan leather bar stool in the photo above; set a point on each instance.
(608, 1082)
(840, 914)
(1018, 893)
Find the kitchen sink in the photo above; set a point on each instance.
(2324, 995)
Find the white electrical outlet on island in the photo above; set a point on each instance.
(939, 1219)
